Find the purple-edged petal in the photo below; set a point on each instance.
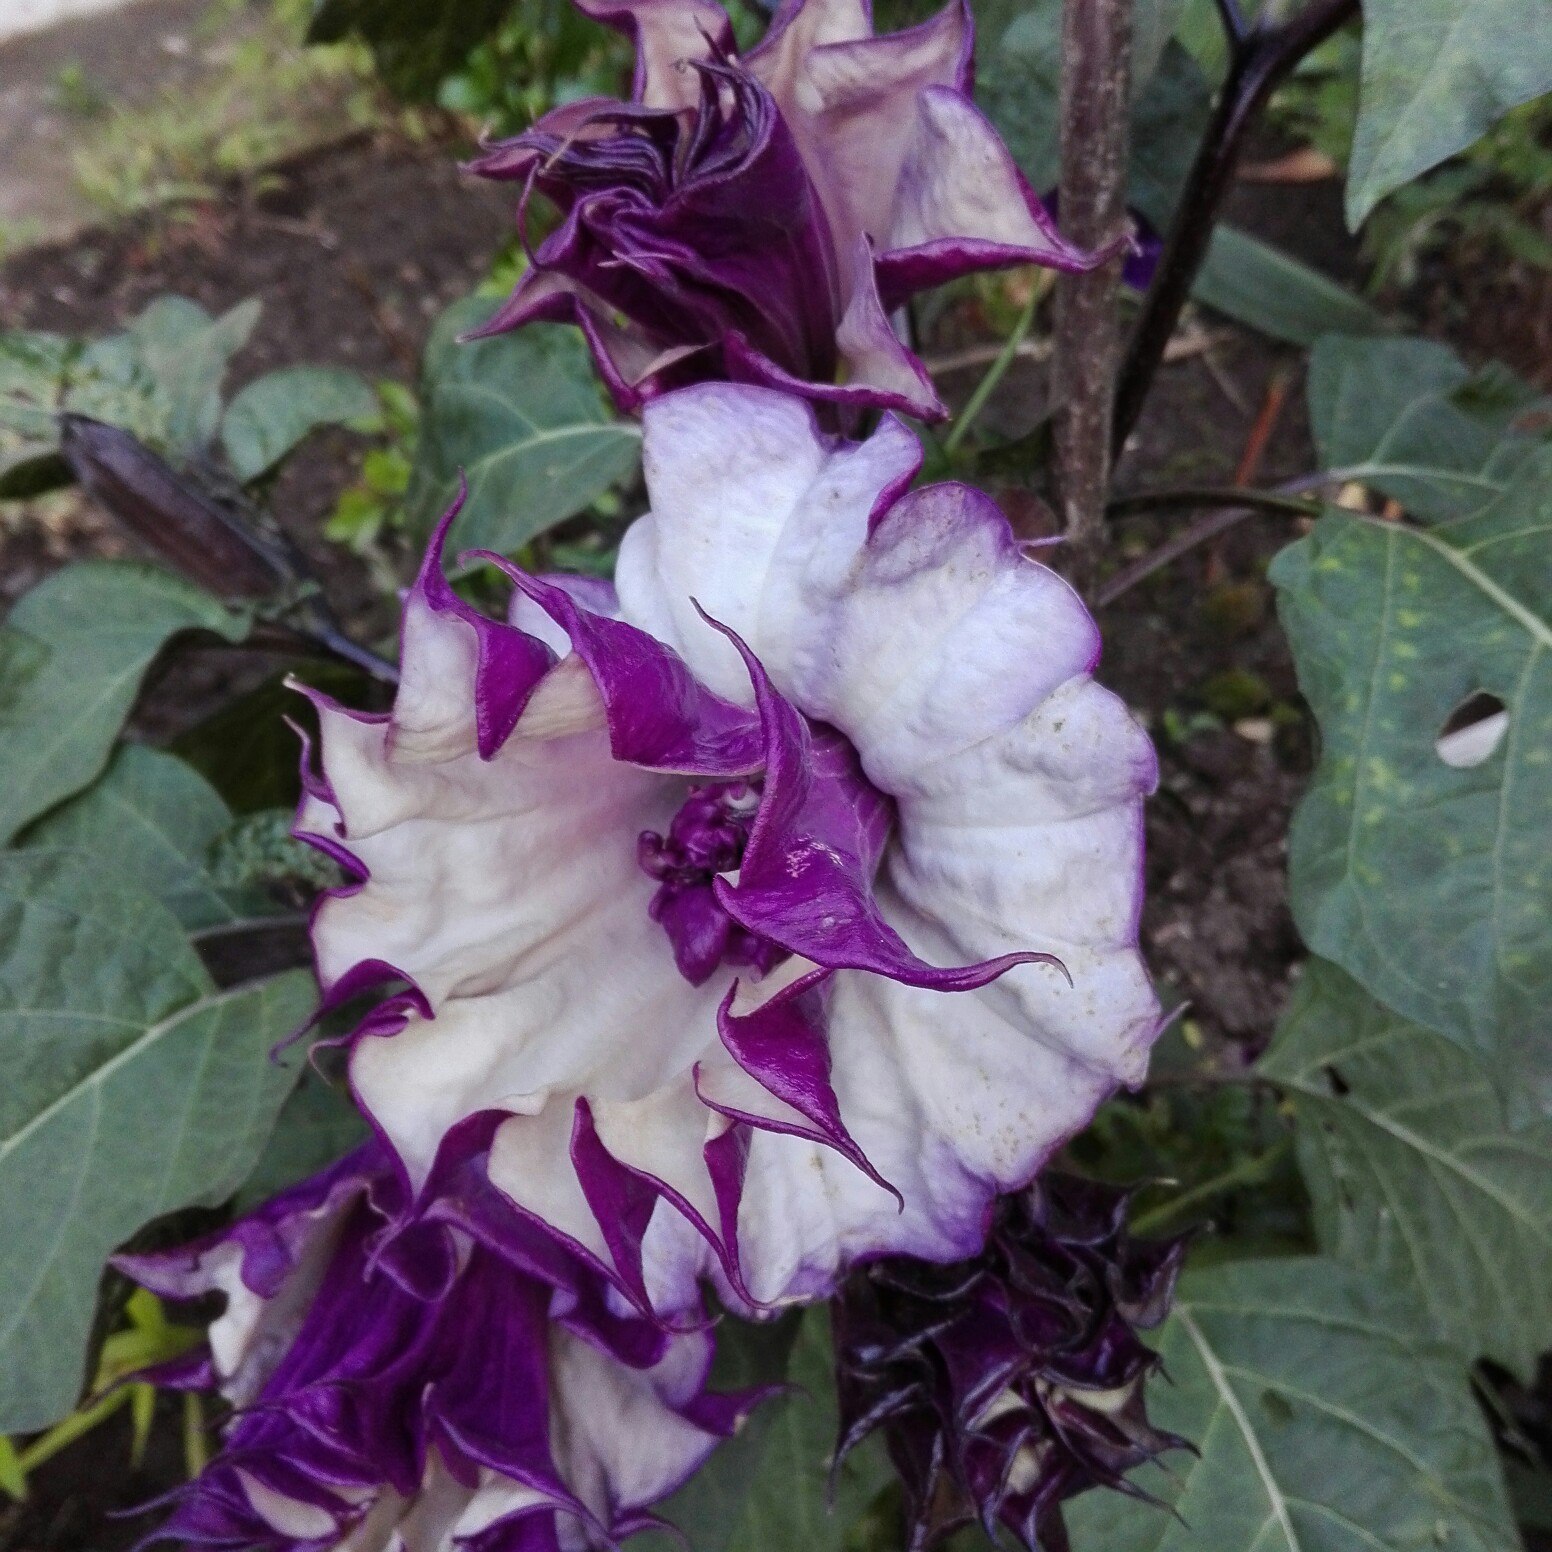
(959, 671)
(880, 370)
(442, 1398)
(666, 33)
(806, 881)
(962, 205)
(782, 1046)
(267, 1265)
(659, 715)
(760, 220)
(853, 100)
(899, 780)
(1012, 1382)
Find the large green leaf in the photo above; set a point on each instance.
(159, 379)
(185, 353)
(768, 1488)
(275, 412)
(316, 1125)
(522, 418)
(99, 624)
(1414, 1170)
(133, 1088)
(1430, 882)
(1436, 75)
(152, 819)
(1326, 1422)
(32, 374)
(1018, 84)
(1408, 417)
(1258, 285)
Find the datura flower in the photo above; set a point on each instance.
(759, 218)
(1011, 1383)
(444, 1398)
(776, 911)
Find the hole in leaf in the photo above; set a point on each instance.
(1339, 1085)
(1472, 731)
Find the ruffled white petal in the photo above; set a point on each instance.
(960, 671)
(507, 891)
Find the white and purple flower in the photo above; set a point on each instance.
(773, 914)
(760, 218)
(435, 1397)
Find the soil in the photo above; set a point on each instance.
(354, 250)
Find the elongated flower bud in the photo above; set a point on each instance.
(175, 518)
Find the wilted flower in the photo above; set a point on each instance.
(434, 1398)
(1008, 1384)
(670, 901)
(760, 218)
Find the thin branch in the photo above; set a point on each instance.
(995, 372)
(1259, 61)
(1242, 504)
(321, 639)
(1194, 497)
(1255, 1170)
(1095, 98)
(1235, 26)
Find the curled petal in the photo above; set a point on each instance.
(447, 1395)
(761, 220)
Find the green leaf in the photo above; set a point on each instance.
(1326, 1421)
(1168, 122)
(1428, 882)
(133, 1088)
(768, 1486)
(1408, 417)
(30, 469)
(1414, 1170)
(523, 418)
(99, 623)
(246, 748)
(415, 45)
(33, 368)
(152, 819)
(185, 353)
(32, 374)
(317, 1125)
(1258, 285)
(160, 380)
(1018, 85)
(1437, 74)
(275, 412)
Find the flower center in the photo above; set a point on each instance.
(707, 837)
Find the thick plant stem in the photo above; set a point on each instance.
(1096, 92)
(1260, 59)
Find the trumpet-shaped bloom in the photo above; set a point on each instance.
(435, 1399)
(776, 912)
(759, 218)
(1009, 1384)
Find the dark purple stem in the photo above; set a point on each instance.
(1260, 59)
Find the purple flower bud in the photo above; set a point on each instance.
(1010, 1383)
(760, 219)
(163, 509)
